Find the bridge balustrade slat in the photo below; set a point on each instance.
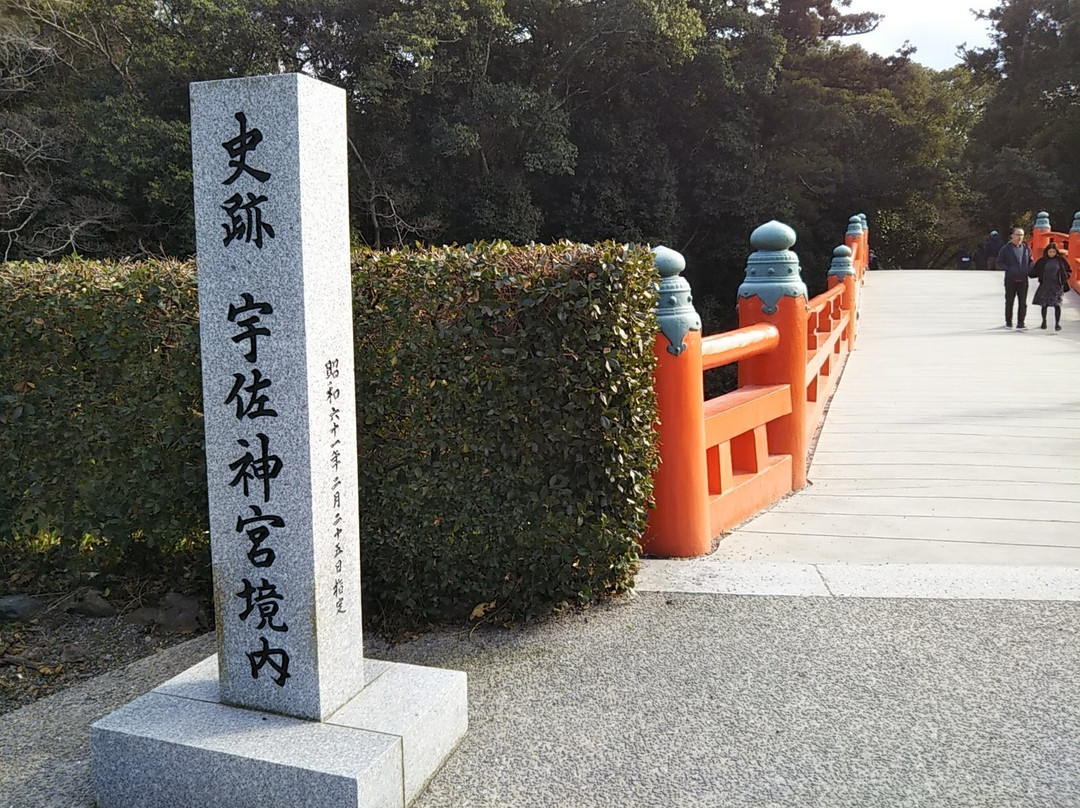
(742, 410)
(816, 359)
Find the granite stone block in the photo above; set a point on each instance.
(422, 713)
(171, 752)
(426, 707)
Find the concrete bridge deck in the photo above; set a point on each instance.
(948, 463)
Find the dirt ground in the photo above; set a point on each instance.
(61, 644)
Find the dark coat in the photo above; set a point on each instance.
(1016, 268)
(1053, 274)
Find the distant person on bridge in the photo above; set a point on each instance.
(1015, 259)
(993, 247)
(979, 257)
(1053, 273)
(963, 258)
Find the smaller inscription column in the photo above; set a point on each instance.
(272, 232)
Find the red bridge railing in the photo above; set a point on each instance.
(1042, 235)
(724, 459)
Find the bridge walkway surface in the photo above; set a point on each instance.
(952, 445)
(948, 464)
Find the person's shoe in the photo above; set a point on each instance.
(1043, 326)
(1057, 327)
(1008, 325)
(1021, 327)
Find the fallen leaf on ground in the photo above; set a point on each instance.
(481, 609)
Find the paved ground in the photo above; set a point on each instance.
(704, 700)
(717, 699)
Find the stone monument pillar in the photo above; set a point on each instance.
(275, 318)
(287, 713)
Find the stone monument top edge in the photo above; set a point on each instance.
(251, 82)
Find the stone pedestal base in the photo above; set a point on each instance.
(178, 746)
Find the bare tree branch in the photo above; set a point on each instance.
(54, 16)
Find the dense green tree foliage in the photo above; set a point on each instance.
(95, 152)
(686, 122)
(1024, 147)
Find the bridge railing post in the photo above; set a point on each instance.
(773, 292)
(853, 239)
(679, 521)
(1040, 234)
(856, 241)
(864, 263)
(1074, 251)
(843, 271)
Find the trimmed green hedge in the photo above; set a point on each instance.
(506, 441)
(100, 407)
(505, 405)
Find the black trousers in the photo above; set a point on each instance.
(1018, 291)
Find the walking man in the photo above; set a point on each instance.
(1015, 259)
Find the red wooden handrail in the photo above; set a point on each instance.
(742, 343)
(725, 459)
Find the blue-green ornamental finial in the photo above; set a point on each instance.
(1042, 220)
(864, 222)
(772, 270)
(841, 265)
(675, 311)
(775, 236)
(669, 262)
(854, 227)
(1075, 225)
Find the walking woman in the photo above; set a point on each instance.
(1053, 272)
